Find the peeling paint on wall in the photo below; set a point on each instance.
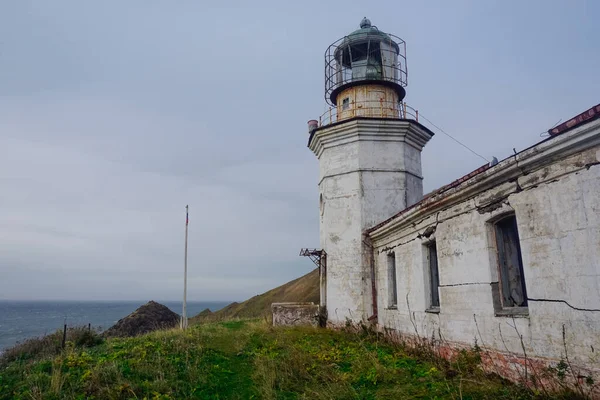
(556, 202)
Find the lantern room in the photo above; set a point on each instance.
(365, 73)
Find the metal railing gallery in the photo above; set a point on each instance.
(369, 109)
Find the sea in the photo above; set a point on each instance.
(20, 320)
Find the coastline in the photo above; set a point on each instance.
(22, 320)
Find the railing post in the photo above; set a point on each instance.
(417, 114)
(330, 118)
(64, 337)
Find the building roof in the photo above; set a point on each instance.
(362, 118)
(586, 116)
(578, 120)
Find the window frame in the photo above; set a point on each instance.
(499, 288)
(430, 250)
(392, 281)
(346, 104)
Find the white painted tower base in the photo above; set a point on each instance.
(370, 169)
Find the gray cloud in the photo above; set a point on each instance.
(114, 115)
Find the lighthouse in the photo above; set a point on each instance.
(369, 151)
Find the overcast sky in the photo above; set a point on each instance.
(116, 114)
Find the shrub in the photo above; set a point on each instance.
(49, 345)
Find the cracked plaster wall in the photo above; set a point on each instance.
(557, 208)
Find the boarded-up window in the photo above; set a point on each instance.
(510, 265)
(392, 288)
(434, 278)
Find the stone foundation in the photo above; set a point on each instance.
(295, 314)
(541, 374)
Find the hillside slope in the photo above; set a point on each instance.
(303, 289)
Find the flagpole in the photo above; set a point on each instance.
(184, 321)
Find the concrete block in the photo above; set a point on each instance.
(294, 314)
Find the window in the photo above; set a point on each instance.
(346, 103)
(392, 288)
(321, 204)
(510, 265)
(434, 277)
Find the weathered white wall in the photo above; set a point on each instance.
(369, 169)
(557, 206)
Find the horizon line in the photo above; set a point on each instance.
(118, 300)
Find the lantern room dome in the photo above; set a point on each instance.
(366, 32)
(365, 56)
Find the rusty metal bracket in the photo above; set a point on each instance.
(317, 256)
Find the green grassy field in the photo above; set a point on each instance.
(245, 360)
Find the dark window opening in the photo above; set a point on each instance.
(434, 278)
(346, 103)
(360, 51)
(392, 288)
(510, 264)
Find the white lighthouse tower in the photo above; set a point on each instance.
(369, 152)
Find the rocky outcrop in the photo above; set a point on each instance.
(149, 317)
(205, 313)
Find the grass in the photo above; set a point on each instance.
(50, 345)
(244, 360)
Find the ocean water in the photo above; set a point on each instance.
(21, 320)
